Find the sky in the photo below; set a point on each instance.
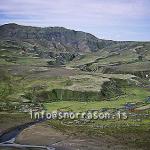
(127, 20)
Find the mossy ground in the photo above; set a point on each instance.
(29, 78)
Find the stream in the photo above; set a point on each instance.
(7, 139)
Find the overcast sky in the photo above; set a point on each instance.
(108, 19)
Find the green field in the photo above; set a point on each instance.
(107, 80)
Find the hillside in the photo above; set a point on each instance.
(61, 70)
(59, 46)
(52, 38)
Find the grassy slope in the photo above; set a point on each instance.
(132, 95)
(137, 94)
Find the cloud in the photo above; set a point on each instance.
(75, 8)
(77, 14)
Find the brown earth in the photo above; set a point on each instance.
(42, 134)
(41, 72)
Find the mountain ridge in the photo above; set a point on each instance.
(63, 45)
(54, 37)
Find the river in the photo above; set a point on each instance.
(7, 139)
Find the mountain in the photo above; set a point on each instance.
(61, 45)
(53, 38)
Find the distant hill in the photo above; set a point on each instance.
(53, 38)
(61, 45)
